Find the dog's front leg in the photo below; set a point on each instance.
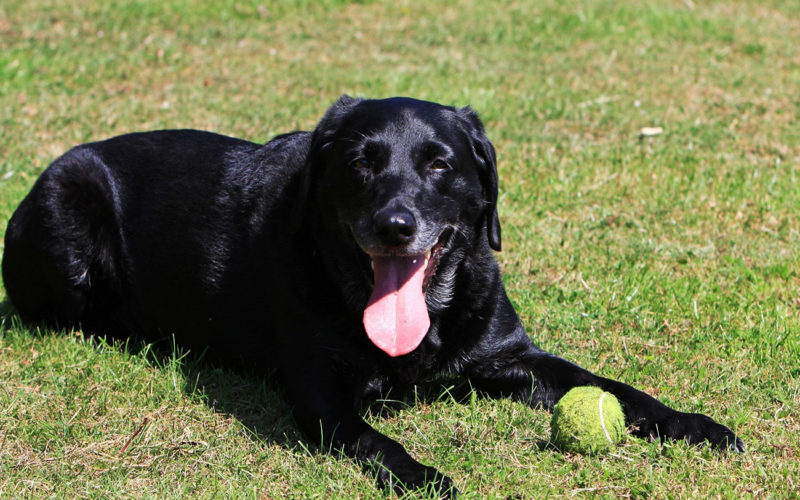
(324, 410)
(508, 364)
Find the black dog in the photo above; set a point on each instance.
(350, 260)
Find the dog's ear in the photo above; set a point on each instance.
(485, 157)
(321, 142)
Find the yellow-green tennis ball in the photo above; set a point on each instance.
(587, 420)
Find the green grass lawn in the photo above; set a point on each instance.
(671, 262)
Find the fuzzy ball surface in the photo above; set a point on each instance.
(587, 420)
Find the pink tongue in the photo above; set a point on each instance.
(396, 317)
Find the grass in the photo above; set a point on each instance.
(671, 262)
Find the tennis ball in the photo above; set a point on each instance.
(587, 420)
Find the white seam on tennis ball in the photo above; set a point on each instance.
(603, 420)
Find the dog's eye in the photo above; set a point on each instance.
(439, 165)
(360, 163)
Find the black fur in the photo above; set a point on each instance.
(259, 253)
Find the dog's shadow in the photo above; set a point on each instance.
(252, 399)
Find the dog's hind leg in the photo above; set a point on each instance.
(62, 244)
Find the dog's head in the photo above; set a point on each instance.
(406, 185)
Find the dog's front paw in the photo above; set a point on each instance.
(415, 476)
(694, 428)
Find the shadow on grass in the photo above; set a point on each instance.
(252, 399)
(249, 396)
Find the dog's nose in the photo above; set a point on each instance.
(394, 226)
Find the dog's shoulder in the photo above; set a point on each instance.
(285, 152)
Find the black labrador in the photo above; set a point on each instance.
(349, 260)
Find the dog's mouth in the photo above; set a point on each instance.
(396, 317)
